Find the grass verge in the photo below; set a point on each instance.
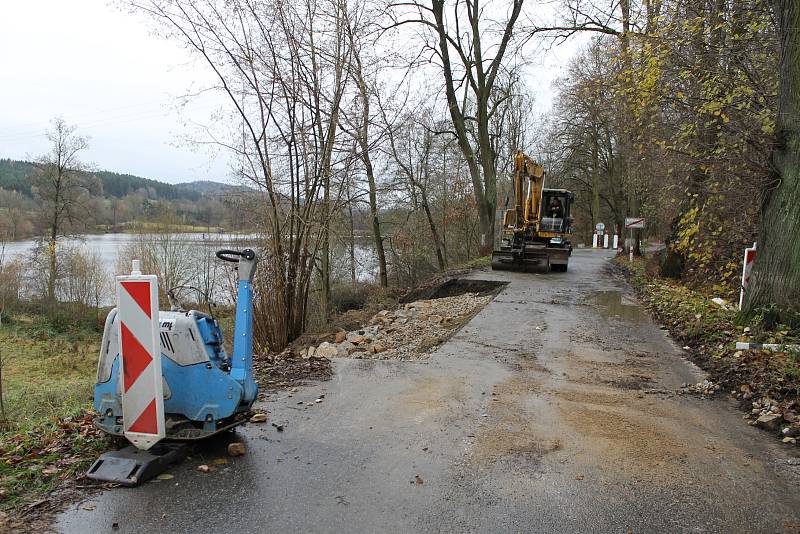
(47, 440)
(763, 381)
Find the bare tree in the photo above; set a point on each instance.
(472, 47)
(359, 126)
(165, 254)
(284, 70)
(411, 143)
(59, 183)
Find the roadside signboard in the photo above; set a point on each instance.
(634, 222)
(140, 359)
(600, 227)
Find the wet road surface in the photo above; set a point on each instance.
(552, 411)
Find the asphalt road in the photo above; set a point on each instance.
(552, 411)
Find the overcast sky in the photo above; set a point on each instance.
(104, 71)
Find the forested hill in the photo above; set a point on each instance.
(112, 202)
(211, 187)
(14, 176)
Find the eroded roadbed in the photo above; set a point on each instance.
(551, 411)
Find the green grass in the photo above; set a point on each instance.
(45, 373)
(477, 263)
(48, 374)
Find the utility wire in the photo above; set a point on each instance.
(129, 117)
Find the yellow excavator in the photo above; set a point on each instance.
(537, 231)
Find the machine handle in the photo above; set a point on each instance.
(227, 255)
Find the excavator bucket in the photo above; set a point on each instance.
(530, 260)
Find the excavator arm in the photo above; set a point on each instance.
(527, 208)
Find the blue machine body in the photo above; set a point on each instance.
(205, 390)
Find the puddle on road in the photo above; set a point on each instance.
(613, 305)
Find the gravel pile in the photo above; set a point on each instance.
(704, 388)
(408, 333)
(771, 415)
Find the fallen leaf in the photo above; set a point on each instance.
(418, 479)
(89, 507)
(220, 461)
(203, 468)
(259, 418)
(579, 477)
(165, 476)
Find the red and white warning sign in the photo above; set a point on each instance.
(634, 222)
(749, 256)
(140, 359)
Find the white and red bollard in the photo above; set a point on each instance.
(749, 256)
(616, 242)
(605, 240)
(140, 358)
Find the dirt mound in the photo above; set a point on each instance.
(452, 287)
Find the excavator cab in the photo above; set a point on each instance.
(556, 215)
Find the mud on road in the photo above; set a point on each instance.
(552, 410)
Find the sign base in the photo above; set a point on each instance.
(132, 466)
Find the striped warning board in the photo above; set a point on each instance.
(749, 258)
(140, 359)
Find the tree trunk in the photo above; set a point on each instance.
(352, 242)
(776, 271)
(376, 223)
(53, 267)
(51, 245)
(595, 182)
(437, 242)
(373, 188)
(362, 134)
(627, 151)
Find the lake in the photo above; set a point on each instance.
(109, 247)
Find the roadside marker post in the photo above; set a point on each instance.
(140, 358)
(749, 256)
(631, 223)
(598, 235)
(605, 240)
(616, 242)
(779, 347)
